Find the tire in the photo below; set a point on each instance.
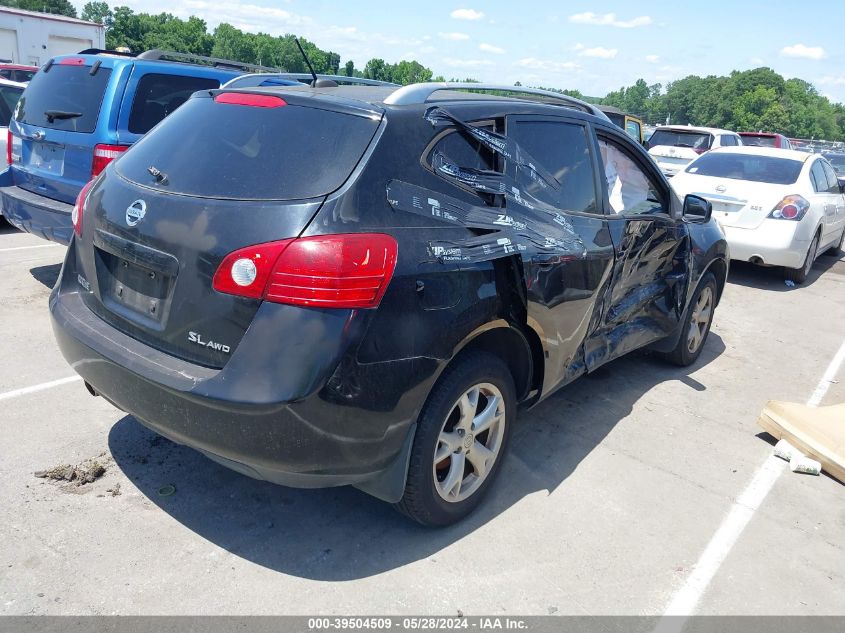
(439, 492)
(696, 323)
(837, 249)
(799, 275)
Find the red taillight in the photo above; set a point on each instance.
(331, 271)
(792, 207)
(246, 99)
(262, 258)
(699, 150)
(103, 155)
(9, 147)
(79, 207)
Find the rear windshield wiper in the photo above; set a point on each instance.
(52, 115)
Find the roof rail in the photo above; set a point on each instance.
(256, 79)
(103, 51)
(158, 54)
(415, 94)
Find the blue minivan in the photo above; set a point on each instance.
(82, 111)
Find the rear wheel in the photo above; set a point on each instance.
(461, 439)
(696, 323)
(799, 275)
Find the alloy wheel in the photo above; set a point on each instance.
(469, 443)
(700, 319)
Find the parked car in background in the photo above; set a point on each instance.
(17, 72)
(673, 147)
(10, 92)
(837, 161)
(82, 111)
(306, 285)
(632, 125)
(777, 207)
(765, 139)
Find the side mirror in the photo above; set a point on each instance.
(697, 210)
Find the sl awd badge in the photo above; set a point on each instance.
(135, 212)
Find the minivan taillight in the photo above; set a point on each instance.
(699, 150)
(9, 147)
(103, 155)
(349, 270)
(79, 208)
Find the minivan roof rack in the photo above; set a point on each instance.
(158, 54)
(416, 94)
(256, 79)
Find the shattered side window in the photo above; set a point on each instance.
(562, 149)
(464, 150)
(629, 189)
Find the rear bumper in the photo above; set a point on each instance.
(319, 438)
(37, 214)
(774, 242)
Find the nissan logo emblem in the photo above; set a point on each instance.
(135, 212)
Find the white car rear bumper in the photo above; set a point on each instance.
(774, 242)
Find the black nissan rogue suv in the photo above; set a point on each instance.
(358, 285)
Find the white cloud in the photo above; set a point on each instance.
(831, 80)
(803, 52)
(532, 63)
(653, 59)
(609, 19)
(455, 37)
(466, 63)
(598, 51)
(466, 14)
(489, 48)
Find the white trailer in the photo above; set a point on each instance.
(28, 37)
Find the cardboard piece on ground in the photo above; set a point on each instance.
(818, 432)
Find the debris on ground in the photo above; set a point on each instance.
(803, 464)
(166, 491)
(785, 450)
(85, 472)
(815, 432)
(114, 490)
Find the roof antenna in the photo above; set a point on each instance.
(315, 83)
(307, 62)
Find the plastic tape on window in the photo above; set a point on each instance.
(529, 231)
(503, 145)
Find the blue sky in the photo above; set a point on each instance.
(593, 46)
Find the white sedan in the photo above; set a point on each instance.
(777, 207)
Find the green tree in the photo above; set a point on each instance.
(98, 12)
(58, 7)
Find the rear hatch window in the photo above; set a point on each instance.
(758, 141)
(675, 138)
(232, 151)
(66, 97)
(767, 169)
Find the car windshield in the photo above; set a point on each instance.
(768, 169)
(758, 141)
(66, 97)
(681, 138)
(837, 161)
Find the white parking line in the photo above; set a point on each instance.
(24, 248)
(34, 388)
(686, 599)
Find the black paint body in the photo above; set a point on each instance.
(320, 397)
